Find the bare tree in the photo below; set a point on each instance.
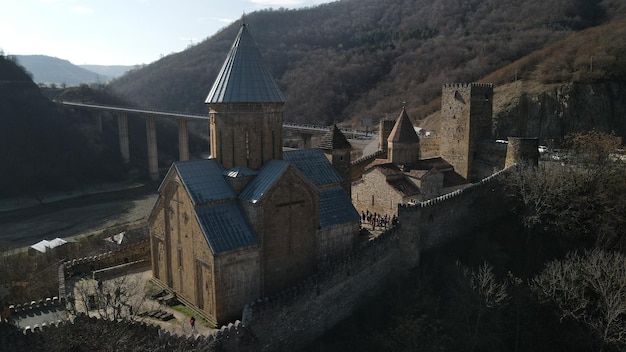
(479, 298)
(583, 199)
(114, 299)
(589, 289)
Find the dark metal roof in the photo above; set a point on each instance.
(204, 181)
(453, 179)
(334, 139)
(244, 77)
(240, 171)
(268, 175)
(403, 131)
(314, 165)
(225, 227)
(404, 186)
(336, 208)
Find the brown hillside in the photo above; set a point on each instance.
(584, 63)
(348, 60)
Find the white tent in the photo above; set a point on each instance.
(44, 245)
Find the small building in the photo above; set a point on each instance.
(45, 246)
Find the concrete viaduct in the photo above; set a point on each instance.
(122, 113)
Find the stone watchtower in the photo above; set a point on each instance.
(384, 129)
(403, 142)
(245, 109)
(466, 113)
(338, 151)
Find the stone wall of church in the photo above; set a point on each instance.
(237, 282)
(375, 195)
(287, 231)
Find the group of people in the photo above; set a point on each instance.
(379, 221)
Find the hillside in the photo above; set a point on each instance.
(112, 71)
(47, 147)
(348, 60)
(44, 146)
(578, 83)
(51, 70)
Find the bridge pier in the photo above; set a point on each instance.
(183, 139)
(99, 118)
(122, 128)
(153, 159)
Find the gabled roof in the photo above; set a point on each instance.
(314, 165)
(432, 163)
(240, 171)
(334, 139)
(268, 175)
(43, 245)
(244, 77)
(453, 179)
(336, 208)
(403, 131)
(203, 180)
(404, 186)
(225, 227)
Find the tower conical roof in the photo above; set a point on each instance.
(334, 139)
(244, 77)
(403, 130)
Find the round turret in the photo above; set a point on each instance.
(522, 150)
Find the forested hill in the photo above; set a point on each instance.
(354, 59)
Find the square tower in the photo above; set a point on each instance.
(466, 114)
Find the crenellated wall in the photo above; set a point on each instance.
(297, 316)
(358, 165)
(444, 218)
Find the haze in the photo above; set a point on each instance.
(119, 32)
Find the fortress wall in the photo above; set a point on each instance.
(440, 220)
(490, 158)
(134, 252)
(298, 316)
(358, 166)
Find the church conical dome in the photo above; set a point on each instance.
(244, 77)
(334, 139)
(403, 131)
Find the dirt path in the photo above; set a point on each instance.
(77, 221)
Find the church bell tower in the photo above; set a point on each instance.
(245, 108)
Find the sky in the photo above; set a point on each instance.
(119, 32)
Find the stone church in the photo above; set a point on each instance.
(251, 220)
(403, 176)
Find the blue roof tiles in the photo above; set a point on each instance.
(314, 165)
(225, 227)
(268, 175)
(244, 77)
(204, 181)
(336, 208)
